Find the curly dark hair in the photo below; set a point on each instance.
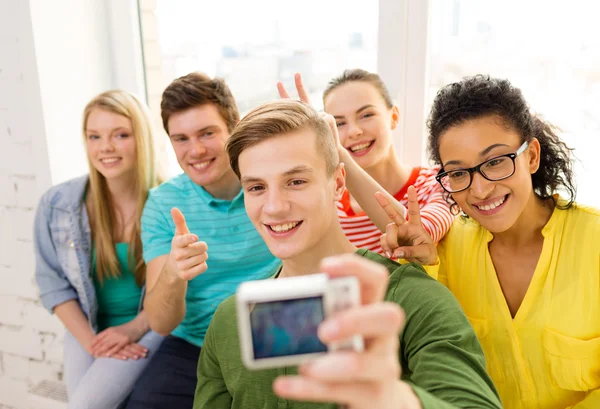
(482, 95)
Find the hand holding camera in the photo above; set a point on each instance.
(188, 256)
(358, 377)
(278, 319)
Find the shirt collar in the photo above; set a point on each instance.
(556, 219)
(209, 199)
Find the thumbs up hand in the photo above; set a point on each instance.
(188, 255)
(406, 239)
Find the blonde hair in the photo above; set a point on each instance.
(279, 118)
(102, 217)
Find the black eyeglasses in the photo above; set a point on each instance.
(494, 169)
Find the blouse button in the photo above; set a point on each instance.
(71, 244)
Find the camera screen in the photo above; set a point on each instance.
(289, 327)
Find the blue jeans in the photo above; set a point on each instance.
(170, 380)
(102, 383)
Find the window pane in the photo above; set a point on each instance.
(254, 44)
(551, 50)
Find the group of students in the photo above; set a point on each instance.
(480, 276)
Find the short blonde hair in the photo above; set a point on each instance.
(280, 118)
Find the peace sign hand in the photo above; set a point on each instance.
(406, 239)
(302, 94)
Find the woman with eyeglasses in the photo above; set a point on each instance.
(524, 261)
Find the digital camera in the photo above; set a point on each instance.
(278, 318)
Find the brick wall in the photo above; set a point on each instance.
(47, 74)
(29, 338)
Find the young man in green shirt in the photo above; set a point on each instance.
(426, 357)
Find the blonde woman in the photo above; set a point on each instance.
(89, 265)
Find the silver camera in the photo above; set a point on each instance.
(278, 318)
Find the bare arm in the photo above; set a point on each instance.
(167, 277)
(76, 323)
(165, 297)
(363, 187)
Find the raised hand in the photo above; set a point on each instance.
(334, 131)
(188, 256)
(302, 94)
(360, 380)
(406, 239)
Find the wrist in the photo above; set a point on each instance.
(136, 328)
(170, 272)
(87, 344)
(406, 396)
(345, 156)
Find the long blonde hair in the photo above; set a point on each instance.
(102, 214)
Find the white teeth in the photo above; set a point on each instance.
(109, 160)
(491, 206)
(201, 165)
(360, 147)
(280, 228)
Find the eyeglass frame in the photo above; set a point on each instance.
(477, 169)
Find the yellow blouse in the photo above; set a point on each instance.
(548, 356)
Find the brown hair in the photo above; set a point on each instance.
(279, 118)
(103, 219)
(357, 74)
(197, 89)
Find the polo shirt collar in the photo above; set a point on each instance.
(209, 199)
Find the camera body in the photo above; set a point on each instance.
(278, 318)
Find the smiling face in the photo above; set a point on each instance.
(110, 144)
(496, 205)
(364, 121)
(289, 196)
(198, 136)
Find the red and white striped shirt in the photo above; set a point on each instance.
(435, 212)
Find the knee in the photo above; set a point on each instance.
(86, 398)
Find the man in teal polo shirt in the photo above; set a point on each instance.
(427, 358)
(207, 203)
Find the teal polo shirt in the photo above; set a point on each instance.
(236, 251)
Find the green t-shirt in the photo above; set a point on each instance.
(440, 355)
(118, 298)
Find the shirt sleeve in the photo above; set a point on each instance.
(592, 401)
(441, 357)
(433, 270)
(436, 216)
(52, 282)
(157, 229)
(211, 391)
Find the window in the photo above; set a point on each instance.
(254, 44)
(549, 50)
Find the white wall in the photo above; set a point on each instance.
(55, 56)
(402, 62)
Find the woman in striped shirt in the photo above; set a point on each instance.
(366, 116)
